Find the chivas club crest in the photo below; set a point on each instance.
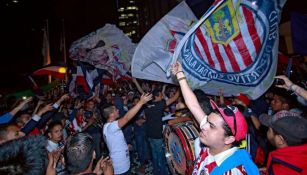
(236, 45)
(222, 24)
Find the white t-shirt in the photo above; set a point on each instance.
(118, 148)
(52, 146)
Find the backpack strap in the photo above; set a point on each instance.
(281, 162)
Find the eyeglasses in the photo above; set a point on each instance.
(228, 110)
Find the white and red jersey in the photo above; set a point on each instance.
(206, 162)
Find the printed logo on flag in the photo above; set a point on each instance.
(232, 51)
(222, 24)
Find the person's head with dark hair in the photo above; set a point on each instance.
(55, 131)
(131, 95)
(157, 94)
(25, 156)
(111, 112)
(290, 125)
(9, 132)
(203, 100)
(206, 106)
(288, 134)
(225, 128)
(22, 118)
(282, 100)
(136, 99)
(59, 117)
(108, 97)
(89, 105)
(79, 153)
(200, 95)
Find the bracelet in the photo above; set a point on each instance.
(182, 78)
(291, 87)
(178, 72)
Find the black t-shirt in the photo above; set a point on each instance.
(153, 125)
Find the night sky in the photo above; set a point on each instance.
(22, 23)
(21, 32)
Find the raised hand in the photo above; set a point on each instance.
(145, 98)
(46, 108)
(287, 84)
(65, 97)
(53, 158)
(104, 165)
(176, 68)
(20, 106)
(24, 102)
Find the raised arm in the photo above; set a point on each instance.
(61, 99)
(6, 118)
(39, 103)
(188, 95)
(20, 106)
(137, 85)
(289, 85)
(36, 119)
(173, 98)
(221, 95)
(131, 113)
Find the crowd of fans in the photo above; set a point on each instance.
(60, 134)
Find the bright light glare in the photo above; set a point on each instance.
(62, 70)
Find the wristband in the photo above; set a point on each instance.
(291, 87)
(178, 72)
(55, 106)
(182, 78)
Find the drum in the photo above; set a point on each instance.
(179, 144)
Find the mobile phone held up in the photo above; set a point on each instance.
(279, 81)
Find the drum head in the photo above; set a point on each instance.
(176, 150)
(179, 141)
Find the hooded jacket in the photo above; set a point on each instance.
(288, 160)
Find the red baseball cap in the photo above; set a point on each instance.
(243, 98)
(234, 119)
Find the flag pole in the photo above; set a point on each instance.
(63, 47)
(64, 41)
(46, 47)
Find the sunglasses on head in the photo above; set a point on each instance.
(228, 110)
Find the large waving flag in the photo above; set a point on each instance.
(153, 53)
(107, 48)
(232, 47)
(89, 78)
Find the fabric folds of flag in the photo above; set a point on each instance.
(233, 47)
(107, 48)
(88, 77)
(46, 46)
(154, 51)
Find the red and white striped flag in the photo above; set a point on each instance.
(232, 47)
